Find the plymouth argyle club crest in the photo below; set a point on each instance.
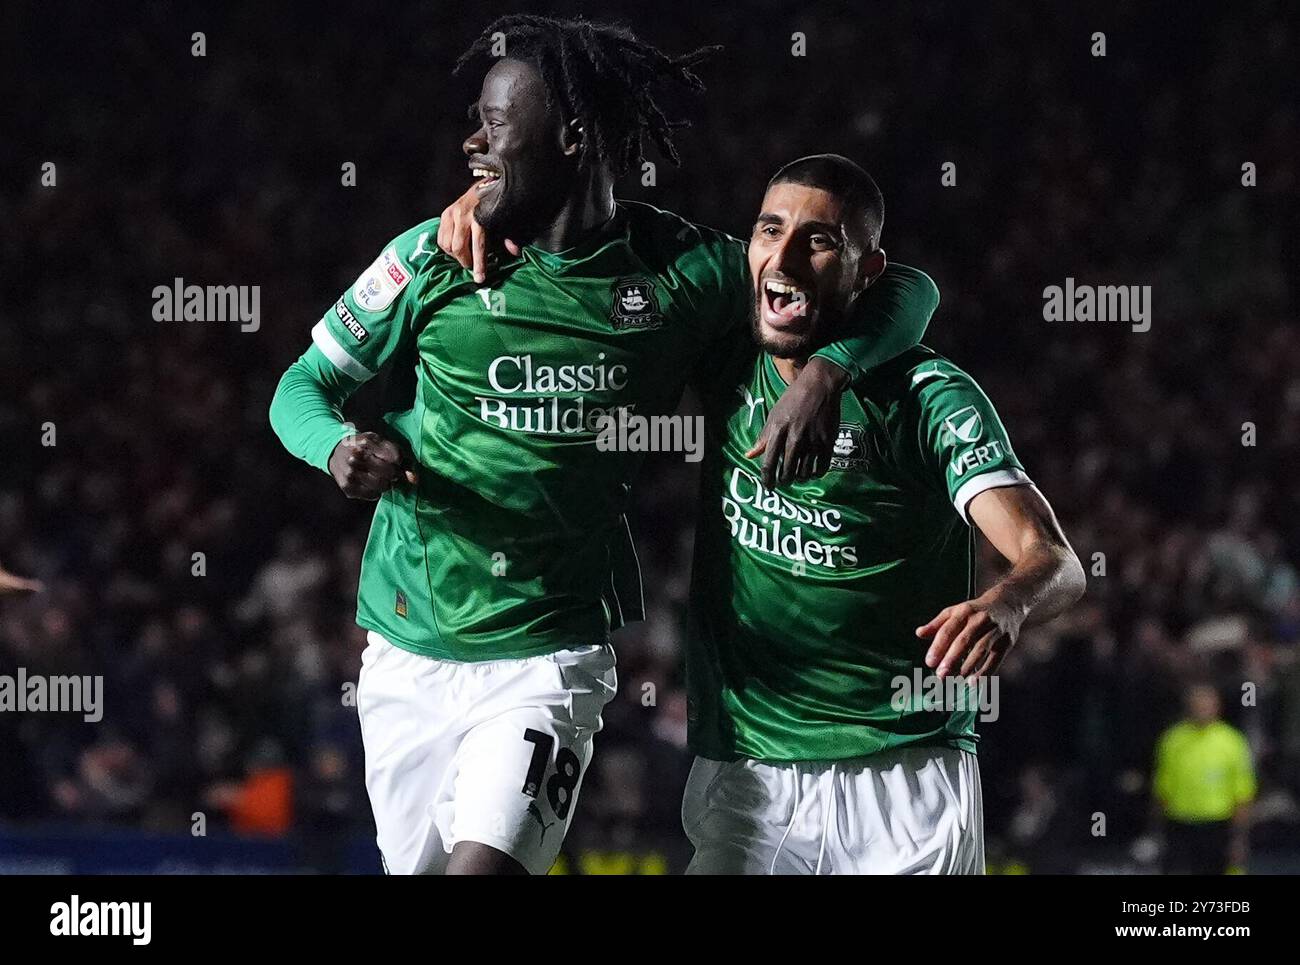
(635, 305)
(850, 450)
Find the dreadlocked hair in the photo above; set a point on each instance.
(603, 75)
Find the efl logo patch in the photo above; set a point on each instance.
(850, 450)
(635, 305)
(350, 321)
(381, 282)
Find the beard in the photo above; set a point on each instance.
(517, 214)
(794, 345)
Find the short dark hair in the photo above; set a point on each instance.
(604, 75)
(841, 177)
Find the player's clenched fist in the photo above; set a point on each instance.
(367, 464)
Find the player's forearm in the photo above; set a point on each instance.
(307, 409)
(887, 319)
(1045, 581)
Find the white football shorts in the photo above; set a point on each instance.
(493, 752)
(913, 810)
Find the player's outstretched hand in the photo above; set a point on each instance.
(367, 464)
(798, 439)
(971, 639)
(460, 236)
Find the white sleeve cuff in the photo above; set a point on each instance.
(333, 351)
(989, 480)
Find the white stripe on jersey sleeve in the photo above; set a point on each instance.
(989, 480)
(344, 362)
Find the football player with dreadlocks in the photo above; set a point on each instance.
(486, 583)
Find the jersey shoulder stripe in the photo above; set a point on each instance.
(324, 340)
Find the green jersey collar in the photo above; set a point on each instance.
(612, 240)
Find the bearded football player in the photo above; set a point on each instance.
(486, 585)
(817, 606)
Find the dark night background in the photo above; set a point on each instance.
(223, 692)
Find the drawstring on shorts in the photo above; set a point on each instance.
(826, 825)
(794, 813)
(830, 808)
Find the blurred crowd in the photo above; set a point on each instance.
(211, 578)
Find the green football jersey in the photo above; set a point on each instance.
(511, 542)
(502, 550)
(805, 601)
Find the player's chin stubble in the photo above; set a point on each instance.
(786, 345)
(515, 216)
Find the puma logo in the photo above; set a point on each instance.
(420, 249)
(752, 402)
(536, 812)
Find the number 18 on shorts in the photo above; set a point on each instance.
(492, 752)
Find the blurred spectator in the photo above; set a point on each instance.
(262, 801)
(1204, 783)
